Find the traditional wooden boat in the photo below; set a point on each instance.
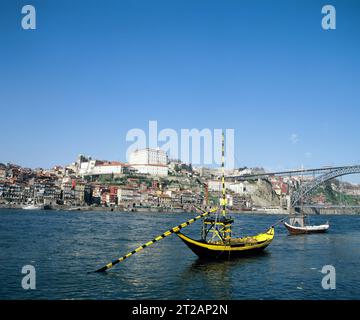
(234, 248)
(216, 237)
(298, 225)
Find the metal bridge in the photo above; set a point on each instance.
(288, 173)
(323, 206)
(326, 173)
(306, 188)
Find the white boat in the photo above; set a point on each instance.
(31, 207)
(302, 229)
(299, 223)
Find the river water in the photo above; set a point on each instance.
(64, 245)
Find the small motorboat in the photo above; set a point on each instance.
(31, 207)
(298, 225)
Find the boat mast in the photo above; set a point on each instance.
(226, 230)
(223, 202)
(220, 225)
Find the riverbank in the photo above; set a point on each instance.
(99, 208)
(272, 211)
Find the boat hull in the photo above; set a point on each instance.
(306, 229)
(213, 251)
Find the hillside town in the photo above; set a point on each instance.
(148, 182)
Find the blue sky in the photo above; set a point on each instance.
(92, 70)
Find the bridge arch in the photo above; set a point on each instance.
(310, 186)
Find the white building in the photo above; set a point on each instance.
(87, 166)
(152, 169)
(148, 156)
(125, 194)
(242, 187)
(111, 167)
(216, 185)
(149, 161)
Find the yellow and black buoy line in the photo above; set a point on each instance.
(156, 239)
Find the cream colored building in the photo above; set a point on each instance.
(125, 194)
(98, 167)
(149, 161)
(152, 169)
(148, 156)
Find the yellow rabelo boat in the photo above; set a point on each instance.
(216, 241)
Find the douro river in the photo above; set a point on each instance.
(63, 246)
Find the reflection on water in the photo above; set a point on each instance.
(213, 277)
(216, 276)
(64, 246)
